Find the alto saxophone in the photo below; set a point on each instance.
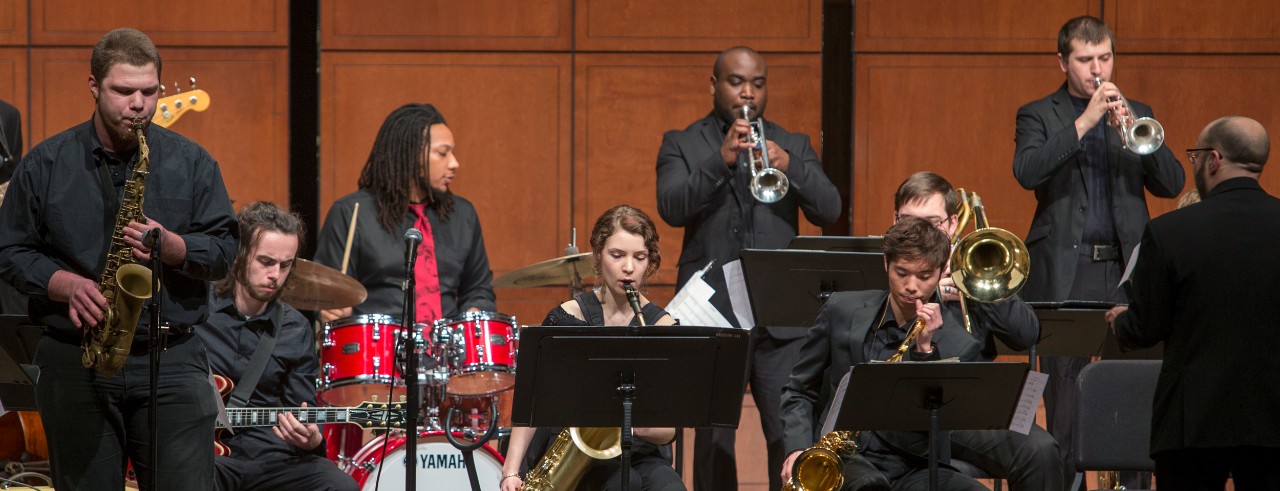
(821, 467)
(125, 284)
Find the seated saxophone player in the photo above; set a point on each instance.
(863, 326)
(624, 243)
(68, 198)
(1028, 462)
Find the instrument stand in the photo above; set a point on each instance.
(912, 396)
(154, 348)
(658, 376)
(468, 449)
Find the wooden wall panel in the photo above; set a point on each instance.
(13, 22)
(245, 127)
(963, 26)
(619, 125)
(953, 115)
(412, 25)
(701, 25)
(189, 23)
(510, 119)
(1192, 26)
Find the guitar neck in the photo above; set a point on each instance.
(269, 416)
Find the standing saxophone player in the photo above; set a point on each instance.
(56, 227)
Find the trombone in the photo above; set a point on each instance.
(989, 264)
(768, 185)
(1142, 136)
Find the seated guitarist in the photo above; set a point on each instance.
(244, 307)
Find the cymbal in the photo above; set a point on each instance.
(314, 286)
(557, 271)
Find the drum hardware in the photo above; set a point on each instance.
(556, 271)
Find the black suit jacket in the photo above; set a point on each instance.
(834, 344)
(1048, 160)
(698, 192)
(11, 124)
(1207, 283)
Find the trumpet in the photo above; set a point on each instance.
(768, 185)
(989, 264)
(1142, 136)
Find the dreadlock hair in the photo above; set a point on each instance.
(397, 163)
(256, 218)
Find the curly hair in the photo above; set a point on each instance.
(630, 219)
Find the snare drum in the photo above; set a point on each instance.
(440, 466)
(357, 358)
(479, 349)
(472, 412)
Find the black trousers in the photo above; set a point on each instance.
(714, 461)
(1030, 462)
(651, 473)
(301, 473)
(877, 472)
(1203, 469)
(95, 424)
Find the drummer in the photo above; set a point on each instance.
(405, 184)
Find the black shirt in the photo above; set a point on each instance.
(377, 256)
(1099, 224)
(55, 216)
(288, 380)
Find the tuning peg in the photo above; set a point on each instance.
(161, 90)
(193, 83)
(177, 88)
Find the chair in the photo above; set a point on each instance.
(1113, 416)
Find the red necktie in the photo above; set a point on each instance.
(425, 273)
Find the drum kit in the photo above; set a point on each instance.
(467, 363)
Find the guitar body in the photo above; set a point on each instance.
(225, 385)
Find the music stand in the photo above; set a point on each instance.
(931, 397)
(1073, 328)
(18, 376)
(788, 287)
(837, 244)
(1111, 350)
(667, 376)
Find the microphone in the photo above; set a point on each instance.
(412, 238)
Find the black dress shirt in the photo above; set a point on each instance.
(288, 380)
(1099, 224)
(56, 217)
(377, 255)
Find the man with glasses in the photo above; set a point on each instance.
(1089, 191)
(1205, 285)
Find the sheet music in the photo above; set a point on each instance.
(1025, 415)
(737, 284)
(692, 304)
(829, 421)
(1128, 268)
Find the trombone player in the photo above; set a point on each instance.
(1029, 462)
(1091, 205)
(857, 327)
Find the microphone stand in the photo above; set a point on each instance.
(153, 347)
(411, 360)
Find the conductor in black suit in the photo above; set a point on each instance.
(1206, 285)
(1090, 201)
(703, 187)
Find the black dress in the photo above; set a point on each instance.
(650, 464)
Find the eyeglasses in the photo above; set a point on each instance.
(936, 221)
(1191, 152)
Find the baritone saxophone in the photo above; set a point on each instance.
(125, 284)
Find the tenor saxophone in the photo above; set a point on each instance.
(125, 284)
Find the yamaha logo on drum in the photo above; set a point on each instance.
(441, 461)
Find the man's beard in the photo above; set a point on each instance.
(260, 295)
(1200, 182)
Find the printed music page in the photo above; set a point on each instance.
(692, 304)
(1025, 414)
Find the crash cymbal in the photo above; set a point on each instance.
(557, 271)
(314, 286)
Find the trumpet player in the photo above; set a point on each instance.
(56, 228)
(1089, 190)
(858, 327)
(705, 186)
(1029, 462)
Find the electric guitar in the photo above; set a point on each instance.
(170, 108)
(369, 414)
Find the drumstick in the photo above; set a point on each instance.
(351, 233)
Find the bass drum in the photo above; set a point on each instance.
(440, 466)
